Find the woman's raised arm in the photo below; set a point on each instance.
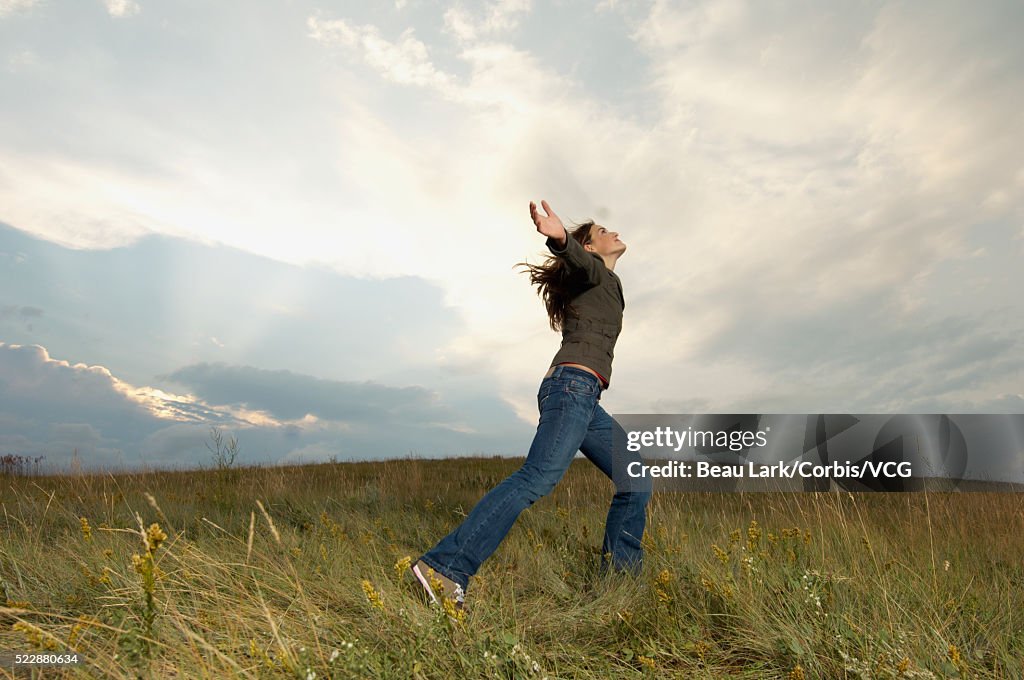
(560, 244)
(548, 224)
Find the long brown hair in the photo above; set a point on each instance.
(556, 284)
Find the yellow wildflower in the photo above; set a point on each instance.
(155, 536)
(35, 635)
(453, 612)
(753, 534)
(402, 565)
(436, 584)
(372, 595)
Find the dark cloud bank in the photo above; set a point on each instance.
(81, 330)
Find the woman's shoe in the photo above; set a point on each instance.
(438, 586)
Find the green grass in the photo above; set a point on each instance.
(755, 585)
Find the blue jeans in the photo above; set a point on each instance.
(571, 420)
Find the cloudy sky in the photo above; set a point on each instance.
(299, 220)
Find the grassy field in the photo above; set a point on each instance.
(303, 572)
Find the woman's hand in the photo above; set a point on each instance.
(549, 225)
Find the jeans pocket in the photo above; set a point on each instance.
(582, 387)
(544, 394)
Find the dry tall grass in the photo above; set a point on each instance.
(302, 572)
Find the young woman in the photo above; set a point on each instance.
(584, 300)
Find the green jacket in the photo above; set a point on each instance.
(594, 320)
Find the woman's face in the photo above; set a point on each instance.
(604, 242)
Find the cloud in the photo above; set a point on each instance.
(498, 18)
(185, 442)
(405, 62)
(833, 183)
(288, 396)
(501, 75)
(52, 408)
(8, 7)
(198, 303)
(34, 383)
(320, 452)
(20, 312)
(122, 8)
